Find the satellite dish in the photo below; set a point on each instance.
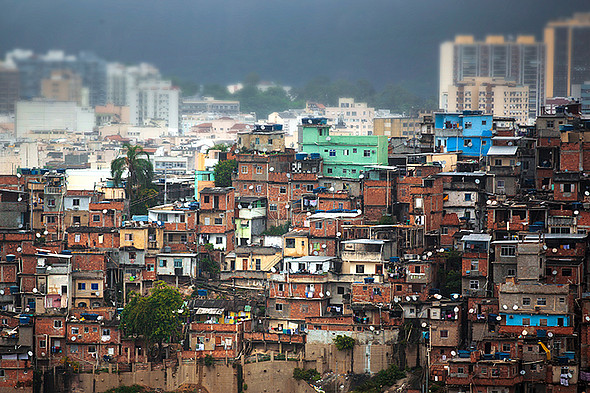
(498, 318)
(396, 299)
(272, 269)
(38, 234)
(470, 144)
(515, 307)
(471, 311)
(309, 213)
(587, 193)
(49, 267)
(309, 121)
(407, 298)
(576, 212)
(438, 296)
(524, 332)
(338, 234)
(288, 175)
(359, 211)
(477, 181)
(324, 246)
(424, 324)
(43, 354)
(45, 232)
(20, 198)
(518, 163)
(35, 290)
(328, 138)
(429, 253)
(522, 372)
(505, 307)
(251, 187)
(554, 272)
(414, 297)
(104, 211)
(19, 249)
(550, 334)
(587, 317)
(456, 309)
(455, 296)
(287, 206)
(321, 294)
(510, 143)
(372, 328)
(239, 206)
(453, 353)
(331, 189)
(327, 293)
(30, 353)
(544, 246)
(18, 175)
(554, 251)
(271, 169)
(74, 338)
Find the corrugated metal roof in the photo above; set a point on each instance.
(502, 150)
(477, 237)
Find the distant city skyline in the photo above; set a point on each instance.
(384, 42)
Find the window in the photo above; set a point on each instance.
(278, 307)
(163, 263)
(96, 217)
(258, 188)
(50, 219)
(506, 347)
(508, 251)
(475, 265)
(495, 372)
(81, 286)
(566, 272)
(541, 301)
(483, 122)
(444, 230)
(57, 324)
(272, 207)
(444, 334)
(467, 143)
(128, 236)
(75, 330)
(281, 287)
(318, 225)
(106, 332)
(51, 202)
(206, 199)
(75, 202)
(543, 322)
(332, 153)
(77, 238)
(562, 300)
(468, 196)
(289, 243)
(474, 284)
(74, 348)
(354, 150)
(360, 269)
(258, 169)
(101, 238)
(258, 264)
(218, 221)
(42, 344)
(92, 349)
(177, 263)
(468, 124)
(76, 220)
(283, 190)
(94, 286)
(367, 153)
(345, 152)
(511, 272)
(150, 267)
(330, 170)
(340, 290)
(218, 240)
(309, 187)
(244, 169)
(566, 187)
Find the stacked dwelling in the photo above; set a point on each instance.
(469, 261)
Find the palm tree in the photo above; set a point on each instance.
(139, 170)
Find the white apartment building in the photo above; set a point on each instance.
(45, 117)
(155, 100)
(350, 117)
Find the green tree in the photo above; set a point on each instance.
(137, 167)
(223, 171)
(156, 317)
(219, 146)
(346, 343)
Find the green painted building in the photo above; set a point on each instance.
(343, 155)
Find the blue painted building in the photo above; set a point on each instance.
(545, 320)
(469, 132)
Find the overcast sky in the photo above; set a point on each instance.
(220, 41)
